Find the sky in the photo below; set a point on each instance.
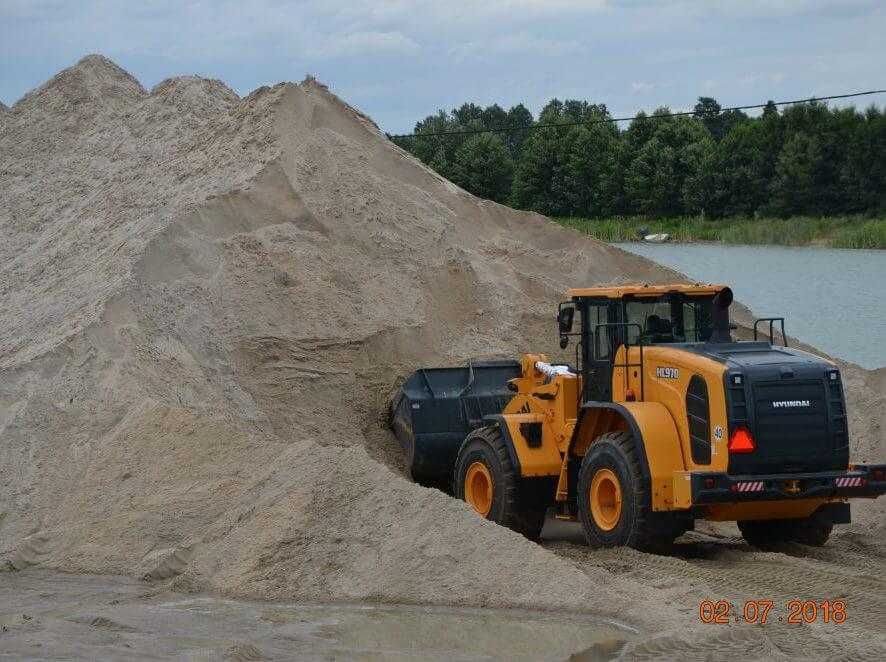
(400, 60)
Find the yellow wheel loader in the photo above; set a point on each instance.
(662, 420)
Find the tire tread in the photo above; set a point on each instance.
(650, 531)
(518, 513)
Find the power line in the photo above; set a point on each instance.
(533, 127)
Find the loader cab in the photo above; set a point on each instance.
(638, 315)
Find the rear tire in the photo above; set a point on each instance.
(813, 531)
(614, 503)
(764, 533)
(509, 501)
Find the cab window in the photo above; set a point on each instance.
(669, 319)
(654, 319)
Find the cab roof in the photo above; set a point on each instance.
(644, 290)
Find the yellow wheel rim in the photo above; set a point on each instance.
(604, 495)
(478, 488)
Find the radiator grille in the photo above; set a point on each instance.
(791, 426)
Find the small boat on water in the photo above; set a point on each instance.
(657, 238)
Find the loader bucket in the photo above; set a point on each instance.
(436, 408)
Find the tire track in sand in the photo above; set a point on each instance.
(850, 567)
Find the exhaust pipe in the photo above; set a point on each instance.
(720, 320)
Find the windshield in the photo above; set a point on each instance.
(670, 319)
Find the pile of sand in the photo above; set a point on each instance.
(207, 300)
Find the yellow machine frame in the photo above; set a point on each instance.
(658, 421)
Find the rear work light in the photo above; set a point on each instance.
(741, 441)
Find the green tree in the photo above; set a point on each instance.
(649, 181)
(484, 167)
(717, 121)
(434, 150)
(560, 171)
(655, 178)
(588, 168)
(702, 185)
(494, 117)
(864, 174)
(807, 159)
(538, 177)
(639, 132)
(793, 188)
(468, 114)
(708, 111)
(742, 169)
(518, 115)
(832, 133)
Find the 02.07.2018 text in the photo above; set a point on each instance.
(723, 612)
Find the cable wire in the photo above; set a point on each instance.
(609, 120)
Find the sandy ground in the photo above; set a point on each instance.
(207, 300)
(714, 563)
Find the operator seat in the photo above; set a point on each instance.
(659, 329)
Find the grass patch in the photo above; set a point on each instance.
(871, 234)
(835, 231)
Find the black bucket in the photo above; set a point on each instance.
(436, 408)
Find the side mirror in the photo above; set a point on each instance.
(565, 316)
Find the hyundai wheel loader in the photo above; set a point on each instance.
(662, 420)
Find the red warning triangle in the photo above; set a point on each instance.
(741, 441)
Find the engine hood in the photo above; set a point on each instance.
(740, 355)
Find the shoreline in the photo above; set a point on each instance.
(715, 242)
(848, 232)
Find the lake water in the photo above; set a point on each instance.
(55, 616)
(830, 298)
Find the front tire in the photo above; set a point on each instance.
(487, 480)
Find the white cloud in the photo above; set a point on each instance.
(767, 79)
(641, 87)
(31, 9)
(365, 43)
(453, 11)
(748, 9)
(204, 30)
(521, 43)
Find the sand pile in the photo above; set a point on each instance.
(207, 300)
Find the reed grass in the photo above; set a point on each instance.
(834, 231)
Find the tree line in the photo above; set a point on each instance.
(808, 159)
